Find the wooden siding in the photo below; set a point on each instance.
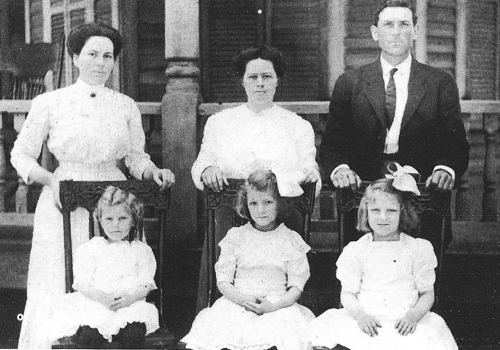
(483, 41)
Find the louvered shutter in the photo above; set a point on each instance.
(103, 11)
(482, 56)
(232, 26)
(293, 28)
(295, 31)
(360, 48)
(36, 21)
(76, 18)
(151, 51)
(57, 29)
(441, 33)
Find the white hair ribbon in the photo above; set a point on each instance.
(403, 180)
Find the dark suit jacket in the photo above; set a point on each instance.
(432, 131)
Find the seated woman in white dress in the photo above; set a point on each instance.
(258, 134)
(113, 275)
(261, 273)
(387, 280)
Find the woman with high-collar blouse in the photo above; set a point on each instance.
(258, 134)
(88, 128)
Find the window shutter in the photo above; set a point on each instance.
(441, 33)
(76, 18)
(57, 29)
(36, 21)
(151, 51)
(360, 48)
(102, 11)
(482, 57)
(232, 26)
(296, 32)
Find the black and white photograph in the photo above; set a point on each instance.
(250, 174)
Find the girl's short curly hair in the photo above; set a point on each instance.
(115, 196)
(408, 219)
(79, 36)
(262, 181)
(267, 53)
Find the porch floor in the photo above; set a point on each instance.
(470, 297)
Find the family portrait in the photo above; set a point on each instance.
(250, 174)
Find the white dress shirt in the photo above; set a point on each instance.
(401, 79)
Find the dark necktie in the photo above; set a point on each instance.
(390, 99)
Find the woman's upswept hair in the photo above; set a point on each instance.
(408, 219)
(262, 181)
(267, 53)
(395, 3)
(79, 36)
(115, 196)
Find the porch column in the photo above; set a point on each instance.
(333, 35)
(179, 115)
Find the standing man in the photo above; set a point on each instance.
(395, 109)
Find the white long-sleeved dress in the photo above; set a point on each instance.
(114, 268)
(88, 129)
(386, 277)
(260, 264)
(239, 141)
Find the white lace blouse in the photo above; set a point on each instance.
(82, 124)
(238, 141)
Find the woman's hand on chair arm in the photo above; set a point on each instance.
(214, 178)
(163, 177)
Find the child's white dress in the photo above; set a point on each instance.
(262, 264)
(111, 268)
(387, 277)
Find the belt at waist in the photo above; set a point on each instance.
(86, 167)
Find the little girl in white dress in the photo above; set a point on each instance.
(113, 274)
(387, 280)
(261, 273)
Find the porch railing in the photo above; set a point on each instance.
(475, 200)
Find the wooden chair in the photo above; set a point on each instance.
(221, 217)
(85, 194)
(431, 204)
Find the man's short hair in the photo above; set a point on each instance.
(395, 3)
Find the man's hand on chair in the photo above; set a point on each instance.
(345, 178)
(441, 180)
